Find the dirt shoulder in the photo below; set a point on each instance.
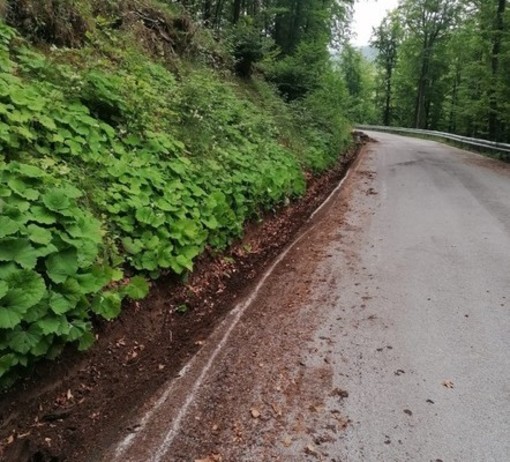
(85, 400)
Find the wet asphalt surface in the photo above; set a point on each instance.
(382, 335)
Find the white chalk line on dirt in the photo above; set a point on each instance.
(237, 313)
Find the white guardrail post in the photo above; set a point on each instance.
(476, 142)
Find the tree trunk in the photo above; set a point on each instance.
(237, 11)
(207, 12)
(421, 97)
(387, 106)
(494, 120)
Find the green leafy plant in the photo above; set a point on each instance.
(110, 164)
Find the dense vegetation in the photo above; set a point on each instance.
(444, 64)
(135, 135)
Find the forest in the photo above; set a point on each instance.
(445, 65)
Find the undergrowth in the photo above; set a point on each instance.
(115, 169)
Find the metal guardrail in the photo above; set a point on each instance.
(476, 142)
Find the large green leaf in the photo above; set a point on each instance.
(42, 215)
(7, 269)
(9, 318)
(86, 341)
(7, 226)
(132, 246)
(30, 171)
(22, 341)
(42, 346)
(107, 305)
(61, 303)
(58, 325)
(23, 189)
(148, 216)
(7, 362)
(4, 287)
(56, 200)
(26, 289)
(62, 265)
(137, 288)
(18, 250)
(39, 235)
(86, 227)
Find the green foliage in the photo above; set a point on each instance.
(116, 163)
(50, 266)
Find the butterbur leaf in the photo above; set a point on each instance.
(71, 191)
(86, 227)
(61, 304)
(18, 250)
(89, 283)
(185, 262)
(62, 265)
(211, 223)
(56, 200)
(49, 325)
(26, 289)
(6, 269)
(5, 191)
(7, 362)
(22, 189)
(165, 257)
(86, 341)
(7, 226)
(29, 171)
(9, 318)
(46, 250)
(34, 313)
(149, 261)
(39, 235)
(137, 288)
(147, 216)
(4, 287)
(132, 246)
(107, 305)
(115, 274)
(42, 347)
(22, 341)
(42, 215)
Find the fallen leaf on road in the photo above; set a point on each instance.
(447, 384)
(211, 458)
(276, 409)
(310, 449)
(255, 413)
(340, 393)
(287, 441)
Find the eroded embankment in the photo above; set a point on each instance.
(85, 399)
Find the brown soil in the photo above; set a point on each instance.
(86, 399)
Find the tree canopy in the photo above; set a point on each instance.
(444, 64)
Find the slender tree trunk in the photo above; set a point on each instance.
(217, 14)
(421, 97)
(452, 123)
(494, 122)
(387, 106)
(237, 11)
(207, 12)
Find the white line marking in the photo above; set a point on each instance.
(237, 312)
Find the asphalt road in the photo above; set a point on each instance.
(383, 334)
